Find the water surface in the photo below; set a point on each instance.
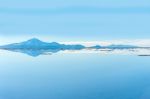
(119, 74)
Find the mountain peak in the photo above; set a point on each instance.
(34, 40)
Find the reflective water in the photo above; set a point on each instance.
(94, 74)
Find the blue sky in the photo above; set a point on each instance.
(75, 20)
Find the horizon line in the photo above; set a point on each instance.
(135, 42)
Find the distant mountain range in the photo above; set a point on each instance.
(37, 44)
(120, 46)
(114, 47)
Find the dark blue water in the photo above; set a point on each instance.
(74, 76)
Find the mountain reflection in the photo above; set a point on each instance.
(34, 53)
(38, 52)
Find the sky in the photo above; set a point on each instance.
(75, 20)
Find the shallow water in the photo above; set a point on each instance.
(118, 74)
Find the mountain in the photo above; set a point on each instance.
(113, 46)
(96, 47)
(121, 46)
(35, 43)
